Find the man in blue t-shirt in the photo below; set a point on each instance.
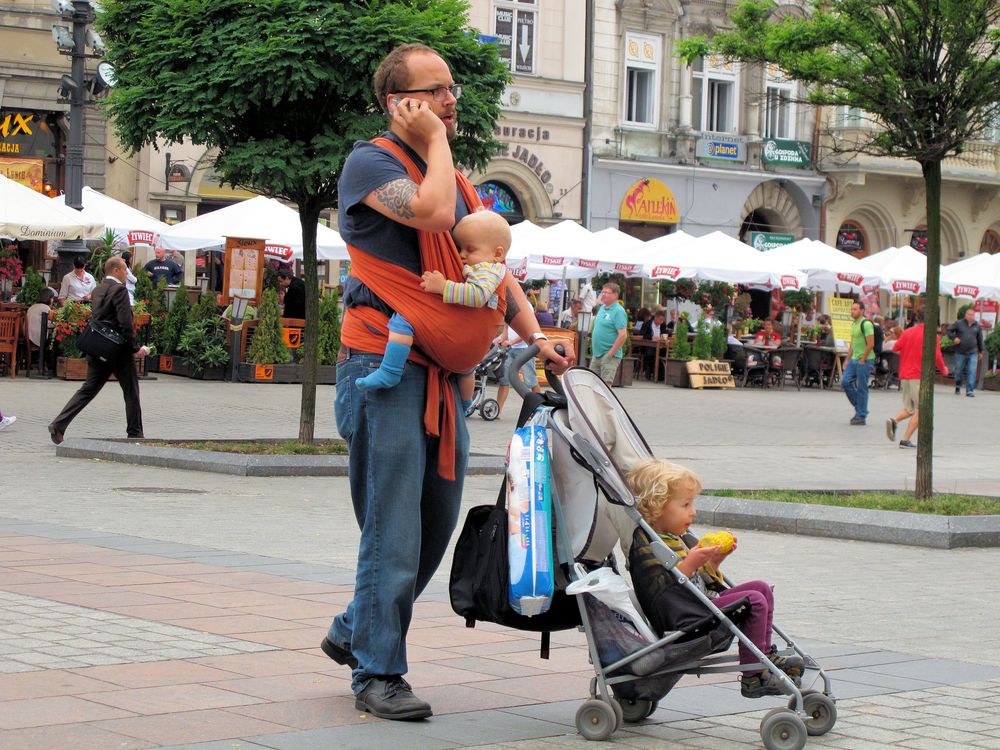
(608, 334)
(406, 510)
(161, 268)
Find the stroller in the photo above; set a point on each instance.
(489, 366)
(593, 443)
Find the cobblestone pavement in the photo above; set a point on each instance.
(205, 596)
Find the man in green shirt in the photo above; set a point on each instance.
(608, 334)
(860, 360)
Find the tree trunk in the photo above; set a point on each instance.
(924, 488)
(309, 217)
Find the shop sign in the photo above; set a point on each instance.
(918, 240)
(25, 133)
(535, 164)
(671, 272)
(27, 172)
(986, 312)
(279, 252)
(782, 153)
(763, 241)
(536, 133)
(137, 237)
(850, 241)
(651, 201)
(722, 148)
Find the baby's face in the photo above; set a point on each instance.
(476, 250)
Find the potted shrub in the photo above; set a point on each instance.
(70, 320)
(32, 284)
(329, 337)
(719, 342)
(676, 370)
(170, 335)
(268, 354)
(203, 345)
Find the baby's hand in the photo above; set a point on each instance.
(433, 282)
(701, 555)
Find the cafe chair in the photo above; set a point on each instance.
(755, 369)
(784, 361)
(817, 366)
(10, 329)
(887, 371)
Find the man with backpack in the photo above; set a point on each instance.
(860, 360)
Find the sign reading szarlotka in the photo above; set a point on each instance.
(781, 153)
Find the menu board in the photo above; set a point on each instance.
(244, 272)
(840, 315)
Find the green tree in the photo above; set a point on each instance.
(143, 285)
(283, 89)
(32, 284)
(682, 347)
(268, 345)
(175, 323)
(206, 309)
(329, 328)
(924, 71)
(702, 346)
(719, 342)
(158, 313)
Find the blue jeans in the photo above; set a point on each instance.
(405, 510)
(967, 364)
(855, 383)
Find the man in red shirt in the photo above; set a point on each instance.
(909, 347)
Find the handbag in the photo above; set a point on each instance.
(479, 586)
(100, 340)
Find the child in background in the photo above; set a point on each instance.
(483, 239)
(665, 494)
(6, 422)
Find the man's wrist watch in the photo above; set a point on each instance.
(537, 336)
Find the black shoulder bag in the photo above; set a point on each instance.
(100, 340)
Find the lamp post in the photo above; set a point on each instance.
(74, 43)
(237, 309)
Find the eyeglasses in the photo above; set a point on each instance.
(439, 94)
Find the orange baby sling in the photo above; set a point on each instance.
(447, 338)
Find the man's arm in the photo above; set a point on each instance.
(64, 287)
(429, 206)
(619, 340)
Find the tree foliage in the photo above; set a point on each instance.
(682, 347)
(268, 345)
(176, 322)
(329, 328)
(282, 89)
(925, 73)
(701, 348)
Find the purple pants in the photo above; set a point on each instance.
(757, 626)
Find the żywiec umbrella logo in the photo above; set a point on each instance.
(281, 252)
(671, 272)
(137, 237)
(850, 278)
(626, 268)
(789, 282)
(906, 286)
(965, 290)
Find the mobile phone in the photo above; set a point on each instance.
(392, 105)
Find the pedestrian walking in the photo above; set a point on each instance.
(399, 198)
(968, 338)
(110, 306)
(910, 346)
(860, 360)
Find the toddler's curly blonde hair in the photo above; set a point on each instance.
(654, 481)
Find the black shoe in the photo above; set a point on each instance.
(338, 654)
(392, 698)
(759, 685)
(890, 428)
(970, 394)
(957, 390)
(55, 435)
(859, 421)
(906, 444)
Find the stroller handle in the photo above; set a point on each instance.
(525, 356)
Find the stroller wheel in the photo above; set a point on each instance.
(619, 714)
(782, 729)
(595, 720)
(822, 710)
(635, 710)
(490, 410)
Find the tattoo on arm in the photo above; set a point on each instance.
(397, 196)
(512, 308)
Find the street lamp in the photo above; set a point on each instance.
(73, 42)
(237, 310)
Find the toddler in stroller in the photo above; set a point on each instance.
(665, 496)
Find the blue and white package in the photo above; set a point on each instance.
(529, 521)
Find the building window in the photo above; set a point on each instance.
(498, 197)
(779, 111)
(642, 79)
(514, 26)
(991, 132)
(851, 239)
(851, 117)
(990, 243)
(713, 95)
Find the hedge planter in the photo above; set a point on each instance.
(71, 368)
(177, 365)
(991, 384)
(248, 373)
(626, 371)
(676, 373)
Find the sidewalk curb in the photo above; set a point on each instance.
(230, 463)
(859, 524)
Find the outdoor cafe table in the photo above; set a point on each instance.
(658, 345)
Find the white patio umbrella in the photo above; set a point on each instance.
(28, 215)
(718, 257)
(828, 269)
(261, 218)
(973, 278)
(130, 225)
(899, 270)
(520, 259)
